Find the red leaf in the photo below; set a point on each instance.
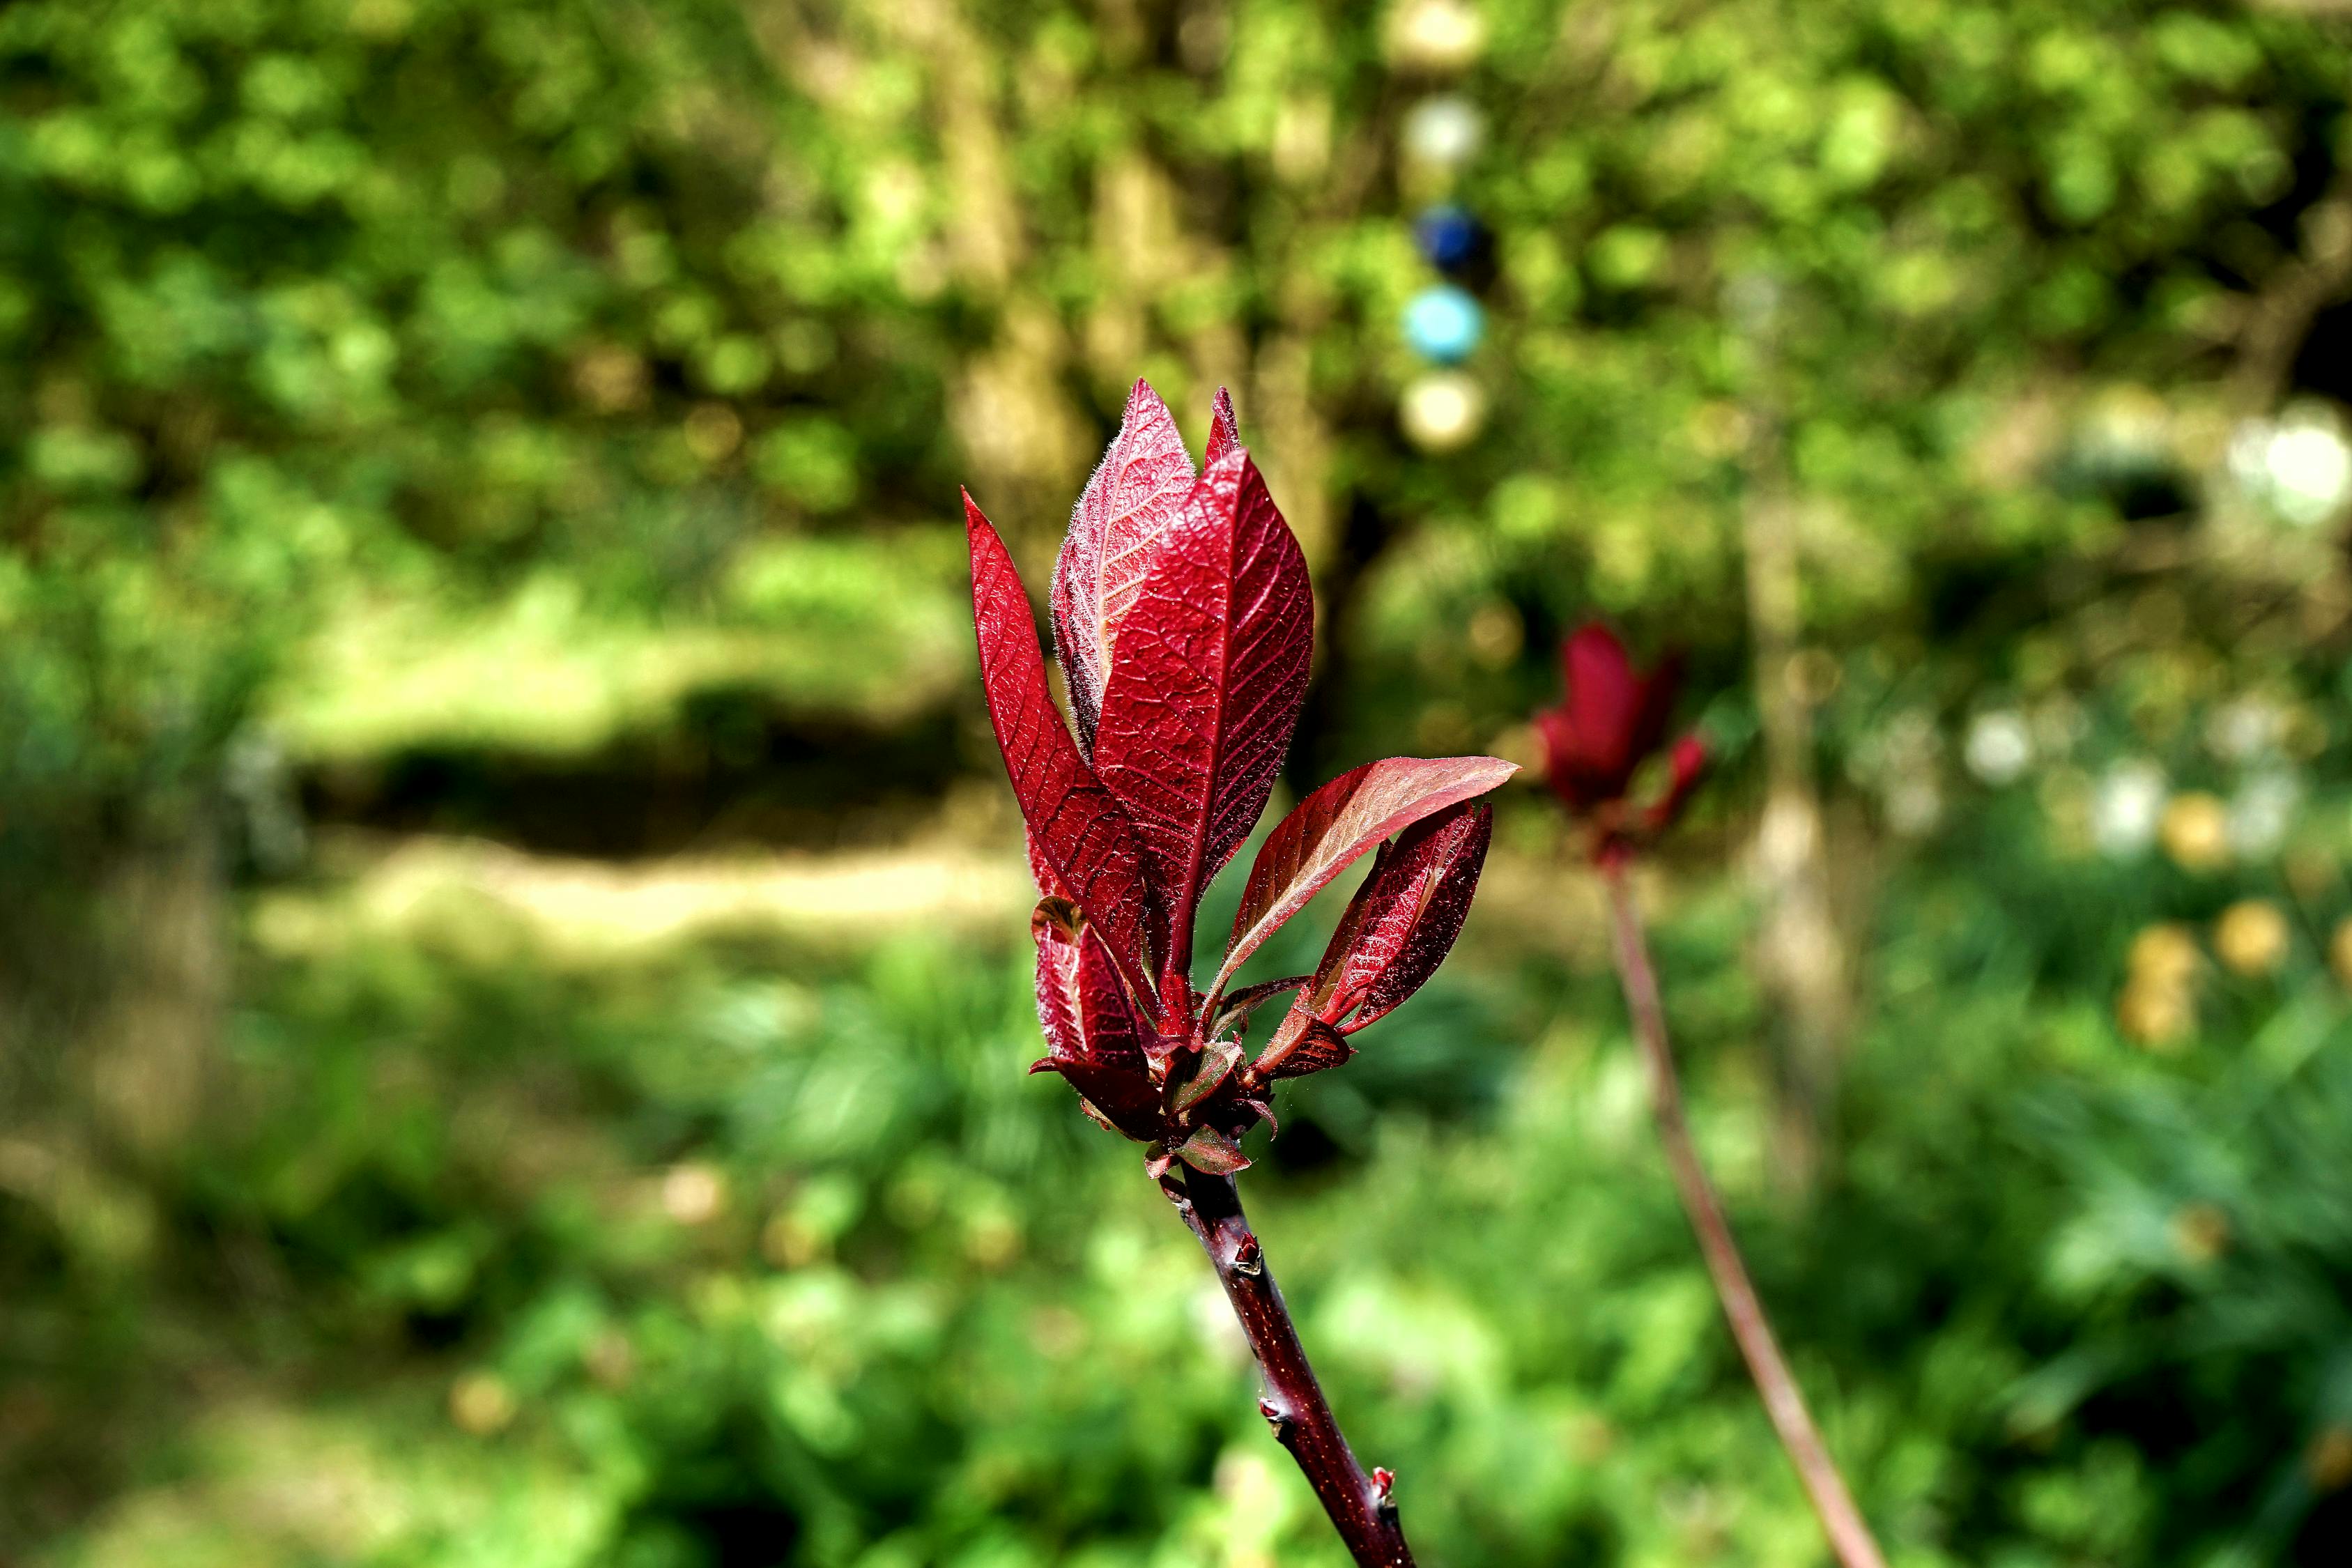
(1093, 1034)
(1235, 1012)
(1305, 1044)
(1609, 718)
(1686, 765)
(1218, 1061)
(1084, 1010)
(1224, 435)
(1328, 830)
(1135, 495)
(1041, 870)
(1212, 668)
(1078, 829)
(1210, 1151)
(1054, 926)
(1403, 919)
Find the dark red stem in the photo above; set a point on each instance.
(1850, 1537)
(1361, 1506)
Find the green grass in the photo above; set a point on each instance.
(734, 1250)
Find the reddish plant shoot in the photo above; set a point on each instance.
(1184, 624)
(1611, 720)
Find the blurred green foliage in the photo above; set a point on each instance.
(741, 1252)
(315, 306)
(576, 388)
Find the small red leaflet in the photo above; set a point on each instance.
(1396, 930)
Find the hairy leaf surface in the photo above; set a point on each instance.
(1403, 921)
(1135, 495)
(1210, 1151)
(1330, 828)
(1094, 1037)
(1234, 1011)
(1224, 434)
(1305, 1044)
(1078, 829)
(1210, 670)
(1218, 1060)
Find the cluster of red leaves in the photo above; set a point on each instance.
(1184, 624)
(1611, 720)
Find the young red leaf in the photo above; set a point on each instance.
(1403, 919)
(1041, 870)
(1686, 765)
(1224, 434)
(1609, 718)
(1212, 669)
(1235, 1012)
(1305, 1044)
(1078, 829)
(1314, 1000)
(1218, 1060)
(1084, 1011)
(1325, 832)
(1135, 495)
(1210, 1151)
(1093, 1034)
(1054, 926)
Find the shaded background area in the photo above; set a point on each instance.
(512, 977)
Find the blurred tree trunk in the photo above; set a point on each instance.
(1296, 438)
(154, 1040)
(1158, 227)
(1800, 954)
(1010, 407)
(1799, 949)
(1316, 444)
(111, 1001)
(1364, 532)
(2279, 316)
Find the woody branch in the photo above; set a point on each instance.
(1361, 1506)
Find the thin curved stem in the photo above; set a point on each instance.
(1361, 1506)
(1849, 1536)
